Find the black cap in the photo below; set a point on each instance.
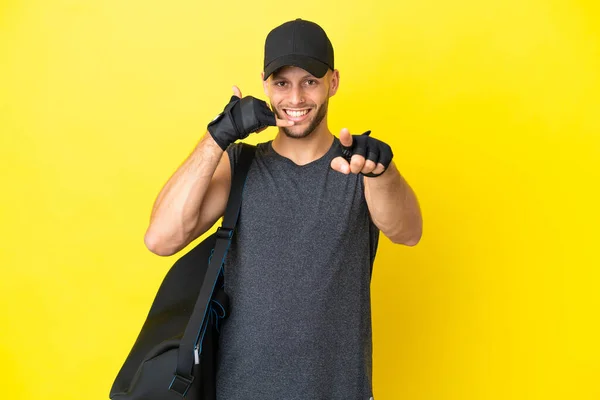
(300, 43)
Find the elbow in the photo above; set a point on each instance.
(410, 242)
(411, 238)
(156, 246)
(411, 234)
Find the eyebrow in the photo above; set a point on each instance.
(277, 76)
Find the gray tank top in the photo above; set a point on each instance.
(298, 276)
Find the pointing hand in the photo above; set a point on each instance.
(362, 154)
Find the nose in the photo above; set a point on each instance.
(296, 95)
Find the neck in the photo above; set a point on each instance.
(304, 150)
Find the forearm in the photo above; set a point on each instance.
(394, 207)
(176, 209)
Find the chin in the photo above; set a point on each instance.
(305, 132)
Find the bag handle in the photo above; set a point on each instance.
(196, 325)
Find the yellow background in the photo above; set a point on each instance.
(492, 109)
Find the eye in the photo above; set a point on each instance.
(311, 82)
(279, 84)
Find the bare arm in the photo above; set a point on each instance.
(191, 201)
(394, 207)
(195, 197)
(392, 203)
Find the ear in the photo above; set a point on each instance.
(334, 82)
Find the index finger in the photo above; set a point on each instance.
(283, 122)
(278, 122)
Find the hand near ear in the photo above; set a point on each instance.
(278, 122)
(241, 117)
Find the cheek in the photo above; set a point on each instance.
(275, 100)
(321, 97)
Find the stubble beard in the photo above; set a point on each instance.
(321, 112)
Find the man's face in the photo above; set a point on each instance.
(297, 95)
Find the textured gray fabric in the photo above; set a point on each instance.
(298, 275)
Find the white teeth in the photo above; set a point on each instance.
(296, 113)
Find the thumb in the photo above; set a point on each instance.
(236, 91)
(345, 137)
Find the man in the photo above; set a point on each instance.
(299, 268)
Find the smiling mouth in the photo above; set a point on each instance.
(296, 115)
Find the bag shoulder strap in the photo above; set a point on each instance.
(237, 187)
(188, 348)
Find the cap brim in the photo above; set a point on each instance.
(315, 67)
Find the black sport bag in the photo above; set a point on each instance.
(175, 353)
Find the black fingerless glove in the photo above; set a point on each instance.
(240, 118)
(370, 148)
